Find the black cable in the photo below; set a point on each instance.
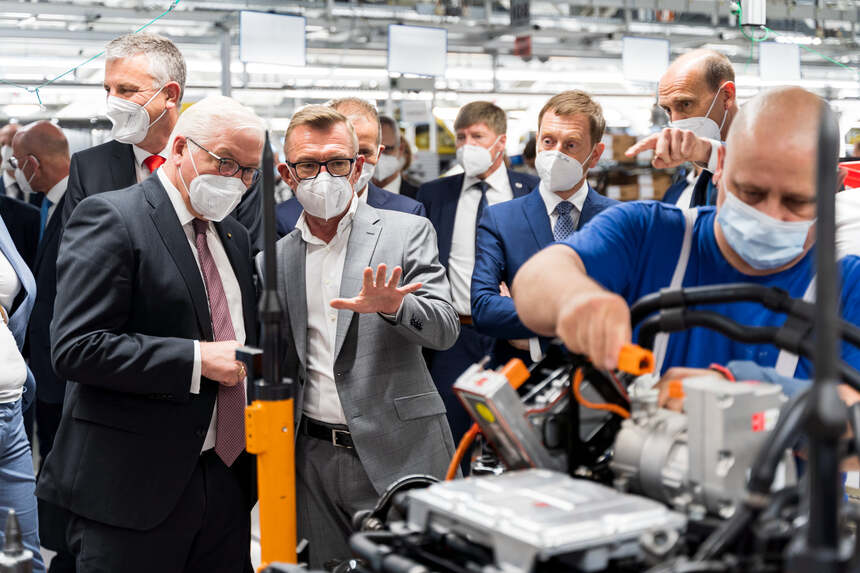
(788, 430)
(726, 534)
(380, 557)
(854, 420)
(675, 320)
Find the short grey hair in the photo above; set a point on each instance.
(166, 63)
(215, 117)
(357, 106)
(392, 124)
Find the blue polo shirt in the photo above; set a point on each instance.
(633, 249)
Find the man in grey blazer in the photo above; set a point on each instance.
(367, 409)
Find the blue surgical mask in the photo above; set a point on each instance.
(763, 242)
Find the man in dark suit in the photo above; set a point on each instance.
(698, 94)
(145, 81)
(454, 205)
(42, 150)
(154, 295)
(392, 163)
(570, 127)
(365, 120)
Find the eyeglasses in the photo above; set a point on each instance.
(230, 167)
(337, 167)
(13, 161)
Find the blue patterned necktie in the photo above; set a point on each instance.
(43, 216)
(564, 225)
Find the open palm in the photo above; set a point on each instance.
(377, 295)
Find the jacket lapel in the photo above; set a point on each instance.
(589, 208)
(535, 212)
(291, 267)
(21, 315)
(167, 224)
(242, 270)
(366, 227)
(122, 168)
(447, 215)
(51, 230)
(518, 187)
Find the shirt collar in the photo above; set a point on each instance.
(551, 200)
(343, 226)
(175, 197)
(140, 155)
(57, 191)
(496, 179)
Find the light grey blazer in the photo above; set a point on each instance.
(395, 415)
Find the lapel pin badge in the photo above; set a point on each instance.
(519, 185)
(229, 235)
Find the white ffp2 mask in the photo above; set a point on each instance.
(213, 196)
(704, 126)
(475, 159)
(324, 196)
(386, 166)
(130, 120)
(367, 173)
(559, 172)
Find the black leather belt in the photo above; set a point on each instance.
(339, 438)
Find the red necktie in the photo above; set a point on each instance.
(230, 426)
(153, 162)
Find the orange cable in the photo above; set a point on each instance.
(465, 442)
(615, 409)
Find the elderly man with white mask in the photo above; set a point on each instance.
(154, 295)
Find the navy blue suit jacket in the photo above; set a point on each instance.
(440, 198)
(704, 191)
(508, 235)
(49, 387)
(287, 213)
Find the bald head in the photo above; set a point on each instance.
(7, 132)
(43, 139)
(43, 151)
(762, 121)
(700, 84)
(708, 66)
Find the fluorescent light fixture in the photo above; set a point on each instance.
(778, 62)
(417, 50)
(644, 59)
(272, 38)
(21, 109)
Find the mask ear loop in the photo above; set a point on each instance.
(714, 101)
(193, 164)
(156, 120)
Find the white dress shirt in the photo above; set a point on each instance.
(13, 369)
(323, 273)
(687, 194)
(228, 280)
(55, 195)
(394, 185)
(461, 261)
(551, 201)
(140, 156)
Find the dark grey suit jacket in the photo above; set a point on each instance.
(396, 416)
(130, 304)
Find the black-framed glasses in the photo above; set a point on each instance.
(337, 167)
(229, 167)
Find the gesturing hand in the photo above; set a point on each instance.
(672, 147)
(378, 295)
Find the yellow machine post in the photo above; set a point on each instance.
(270, 435)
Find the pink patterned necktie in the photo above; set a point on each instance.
(230, 426)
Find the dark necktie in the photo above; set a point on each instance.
(230, 426)
(482, 185)
(43, 216)
(564, 224)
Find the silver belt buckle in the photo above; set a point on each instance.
(334, 434)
